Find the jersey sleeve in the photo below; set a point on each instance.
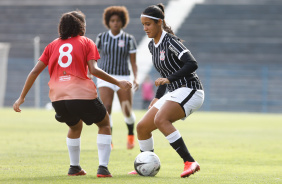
(45, 55)
(177, 48)
(132, 45)
(160, 91)
(93, 53)
(98, 42)
(184, 55)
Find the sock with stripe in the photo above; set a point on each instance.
(179, 146)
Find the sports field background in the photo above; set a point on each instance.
(237, 45)
(230, 147)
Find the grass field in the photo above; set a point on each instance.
(230, 147)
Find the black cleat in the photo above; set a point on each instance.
(103, 172)
(76, 171)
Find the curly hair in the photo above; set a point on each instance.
(72, 24)
(120, 11)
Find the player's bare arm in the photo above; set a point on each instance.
(97, 72)
(38, 68)
(134, 69)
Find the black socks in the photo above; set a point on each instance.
(182, 150)
(130, 128)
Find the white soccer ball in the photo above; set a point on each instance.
(147, 163)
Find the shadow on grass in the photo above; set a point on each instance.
(118, 179)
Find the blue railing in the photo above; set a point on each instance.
(243, 88)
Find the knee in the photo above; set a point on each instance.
(76, 128)
(104, 128)
(159, 121)
(140, 128)
(105, 124)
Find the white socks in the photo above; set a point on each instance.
(174, 136)
(146, 145)
(131, 119)
(74, 150)
(104, 148)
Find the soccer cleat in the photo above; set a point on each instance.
(132, 172)
(130, 142)
(190, 168)
(103, 172)
(76, 171)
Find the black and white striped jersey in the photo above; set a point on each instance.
(115, 51)
(174, 62)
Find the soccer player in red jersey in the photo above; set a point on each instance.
(73, 94)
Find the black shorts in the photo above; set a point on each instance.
(72, 111)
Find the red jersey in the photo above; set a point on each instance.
(67, 65)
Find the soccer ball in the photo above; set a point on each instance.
(147, 164)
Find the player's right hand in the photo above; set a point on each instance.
(17, 104)
(161, 81)
(123, 84)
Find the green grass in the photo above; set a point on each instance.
(230, 147)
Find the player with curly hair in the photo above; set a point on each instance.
(116, 47)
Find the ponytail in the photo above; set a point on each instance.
(167, 28)
(161, 6)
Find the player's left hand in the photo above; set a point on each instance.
(161, 81)
(17, 104)
(135, 85)
(124, 84)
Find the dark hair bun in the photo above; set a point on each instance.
(161, 6)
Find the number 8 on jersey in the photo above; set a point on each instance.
(67, 54)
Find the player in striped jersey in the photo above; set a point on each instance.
(177, 67)
(115, 47)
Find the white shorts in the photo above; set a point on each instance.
(190, 100)
(102, 83)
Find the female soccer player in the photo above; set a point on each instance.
(73, 94)
(177, 67)
(115, 47)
